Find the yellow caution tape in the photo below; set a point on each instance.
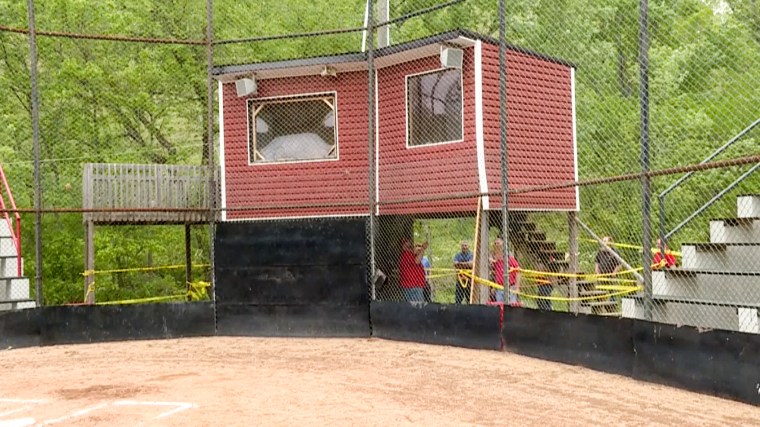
(576, 275)
(616, 287)
(623, 290)
(593, 297)
(140, 269)
(197, 291)
(142, 300)
(627, 246)
(438, 276)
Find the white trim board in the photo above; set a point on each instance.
(575, 140)
(223, 188)
(479, 134)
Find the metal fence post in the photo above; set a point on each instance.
(646, 196)
(36, 143)
(371, 139)
(210, 142)
(503, 141)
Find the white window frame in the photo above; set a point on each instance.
(406, 104)
(251, 123)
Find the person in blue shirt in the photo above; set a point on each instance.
(463, 261)
(428, 290)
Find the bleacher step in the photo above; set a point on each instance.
(7, 247)
(5, 230)
(9, 266)
(700, 313)
(707, 285)
(14, 288)
(738, 257)
(735, 230)
(748, 206)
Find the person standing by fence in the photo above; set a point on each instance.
(411, 272)
(497, 266)
(463, 261)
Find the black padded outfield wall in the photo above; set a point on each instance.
(593, 341)
(20, 328)
(471, 326)
(99, 323)
(721, 363)
(292, 278)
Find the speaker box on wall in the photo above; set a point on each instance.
(245, 87)
(451, 57)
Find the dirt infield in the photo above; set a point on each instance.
(258, 381)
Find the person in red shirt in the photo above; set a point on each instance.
(411, 271)
(658, 261)
(497, 264)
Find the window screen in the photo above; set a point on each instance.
(293, 129)
(434, 107)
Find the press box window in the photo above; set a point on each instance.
(434, 107)
(293, 129)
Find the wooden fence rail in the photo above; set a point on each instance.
(153, 186)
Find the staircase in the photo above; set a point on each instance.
(531, 242)
(718, 285)
(14, 288)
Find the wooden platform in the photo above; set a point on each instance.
(182, 190)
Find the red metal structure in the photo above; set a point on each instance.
(437, 131)
(15, 228)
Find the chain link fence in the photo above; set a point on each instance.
(148, 132)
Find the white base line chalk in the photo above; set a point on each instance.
(180, 406)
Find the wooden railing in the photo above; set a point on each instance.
(120, 187)
(15, 229)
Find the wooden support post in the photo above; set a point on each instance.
(480, 262)
(188, 260)
(89, 262)
(572, 227)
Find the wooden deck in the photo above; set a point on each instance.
(119, 187)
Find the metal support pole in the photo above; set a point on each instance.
(188, 259)
(663, 242)
(371, 140)
(646, 196)
(210, 141)
(572, 228)
(36, 143)
(503, 139)
(89, 262)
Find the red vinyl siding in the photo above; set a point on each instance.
(539, 129)
(315, 188)
(407, 176)
(433, 179)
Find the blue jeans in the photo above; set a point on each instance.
(461, 295)
(513, 299)
(500, 297)
(545, 291)
(415, 294)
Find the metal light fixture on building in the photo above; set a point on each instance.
(329, 70)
